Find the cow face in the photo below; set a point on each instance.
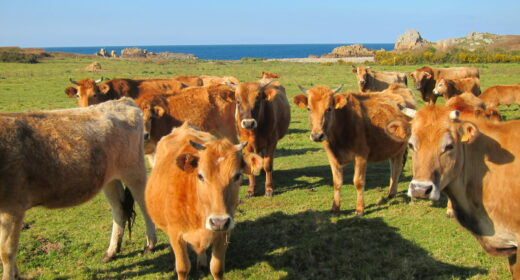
(87, 92)
(441, 88)
(363, 76)
(219, 165)
(250, 101)
(436, 145)
(151, 110)
(320, 102)
(421, 77)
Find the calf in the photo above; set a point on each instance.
(426, 77)
(63, 158)
(474, 162)
(262, 117)
(192, 194)
(352, 127)
(449, 88)
(501, 95)
(370, 80)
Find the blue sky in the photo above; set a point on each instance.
(60, 23)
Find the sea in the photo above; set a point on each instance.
(230, 52)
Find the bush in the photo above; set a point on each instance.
(432, 56)
(16, 54)
(252, 59)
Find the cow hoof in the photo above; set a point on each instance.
(249, 195)
(335, 209)
(147, 250)
(106, 258)
(450, 214)
(382, 200)
(268, 194)
(360, 212)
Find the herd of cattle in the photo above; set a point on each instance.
(201, 133)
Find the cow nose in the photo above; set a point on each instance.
(318, 137)
(420, 189)
(219, 223)
(249, 123)
(147, 136)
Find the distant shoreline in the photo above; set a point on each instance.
(353, 59)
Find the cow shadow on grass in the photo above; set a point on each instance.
(309, 245)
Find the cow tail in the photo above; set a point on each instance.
(405, 156)
(128, 210)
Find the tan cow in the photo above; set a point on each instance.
(216, 80)
(192, 194)
(89, 92)
(352, 127)
(425, 78)
(501, 95)
(262, 117)
(63, 158)
(451, 87)
(474, 162)
(191, 81)
(408, 97)
(370, 80)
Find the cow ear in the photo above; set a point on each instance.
(187, 162)
(427, 75)
(469, 132)
(270, 93)
(71, 92)
(158, 111)
(398, 130)
(300, 100)
(354, 70)
(104, 88)
(340, 101)
(411, 75)
(227, 95)
(253, 164)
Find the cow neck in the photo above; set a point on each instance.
(466, 191)
(341, 128)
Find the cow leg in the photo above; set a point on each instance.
(360, 168)
(218, 256)
(251, 187)
(514, 266)
(115, 193)
(137, 184)
(450, 212)
(180, 250)
(337, 180)
(10, 227)
(268, 168)
(396, 166)
(202, 260)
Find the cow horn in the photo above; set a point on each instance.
(240, 146)
(337, 89)
(72, 81)
(99, 81)
(304, 90)
(197, 146)
(407, 111)
(354, 66)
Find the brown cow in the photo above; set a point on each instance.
(408, 97)
(63, 158)
(262, 117)
(89, 92)
(501, 95)
(451, 87)
(370, 80)
(192, 194)
(191, 81)
(426, 77)
(352, 127)
(474, 162)
(216, 80)
(208, 108)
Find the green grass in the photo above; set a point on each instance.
(290, 236)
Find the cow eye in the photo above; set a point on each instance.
(237, 177)
(76, 95)
(308, 109)
(410, 146)
(200, 177)
(448, 148)
(238, 102)
(328, 109)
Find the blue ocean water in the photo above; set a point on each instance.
(229, 52)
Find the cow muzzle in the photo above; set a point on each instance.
(248, 124)
(423, 189)
(219, 222)
(436, 92)
(318, 137)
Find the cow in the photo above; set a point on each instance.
(425, 78)
(210, 108)
(192, 194)
(63, 158)
(262, 117)
(501, 95)
(216, 80)
(370, 80)
(468, 103)
(190, 81)
(353, 127)
(89, 92)
(474, 162)
(408, 97)
(451, 87)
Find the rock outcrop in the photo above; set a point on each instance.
(137, 52)
(355, 50)
(473, 41)
(411, 40)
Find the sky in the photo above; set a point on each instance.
(68, 23)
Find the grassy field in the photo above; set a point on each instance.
(290, 236)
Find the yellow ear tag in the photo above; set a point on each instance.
(465, 138)
(337, 106)
(301, 105)
(228, 99)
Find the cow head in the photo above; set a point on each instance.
(87, 91)
(363, 76)
(421, 77)
(437, 146)
(218, 165)
(320, 102)
(441, 87)
(152, 109)
(250, 100)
